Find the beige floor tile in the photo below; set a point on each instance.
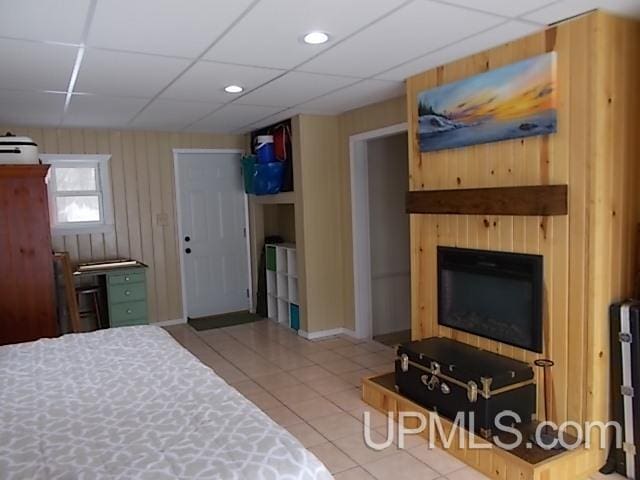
(328, 385)
(324, 356)
(343, 365)
(437, 459)
(354, 474)
(337, 426)
(295, 394)
(335, 460)
(371, 360)
(283, 416)
(229, 373)
(307, 374)
(355, 447)
(352, 351)
(318, 407)
(292, 362)
(306, 434)
(247, 387)
(355, 377)
(257, 370)
(334, 343)
(277, 381)
(376, 347)
(376, 419)
(347, 400)
(400, 466)
(264, 400)
(468, 473)
(409, 441)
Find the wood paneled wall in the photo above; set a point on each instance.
(142, 180)
(588, 253)
(371, 117)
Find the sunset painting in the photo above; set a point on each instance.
(515, 101)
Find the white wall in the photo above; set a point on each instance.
(389, 230)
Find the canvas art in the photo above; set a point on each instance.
(515, 101)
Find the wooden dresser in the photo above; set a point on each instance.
(27, 293)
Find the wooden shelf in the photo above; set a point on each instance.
(278, 198)
(539, 200)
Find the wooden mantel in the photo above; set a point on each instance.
(542, 200)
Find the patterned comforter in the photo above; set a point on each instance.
(130, 403)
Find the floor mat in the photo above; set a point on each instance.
(223, 320)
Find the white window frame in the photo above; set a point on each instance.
(103, 180)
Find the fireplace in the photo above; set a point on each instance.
(495, 295)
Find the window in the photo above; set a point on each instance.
(79, 193)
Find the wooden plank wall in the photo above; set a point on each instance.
(587, 254)
(142, 180)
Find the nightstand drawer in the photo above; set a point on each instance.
(127, 293)
(129, 323)
(126, 278)
(124, 313)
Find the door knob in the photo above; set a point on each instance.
(187, 250)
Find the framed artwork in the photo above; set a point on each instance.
(514, 101)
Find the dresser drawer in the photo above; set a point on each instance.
(126, 278)
(125, 313)
(127, 293)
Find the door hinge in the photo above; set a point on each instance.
(244, 232)
(247, 293)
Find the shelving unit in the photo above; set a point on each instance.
(282, 285)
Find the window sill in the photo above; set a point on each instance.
(81, 229)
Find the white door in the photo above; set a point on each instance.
(213, 242)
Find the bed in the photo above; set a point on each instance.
(131, 403)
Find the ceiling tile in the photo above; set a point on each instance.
(172, 115)
(497, 36)
(126, 74)
(358, 95)
(231, 118)
(31, 108)
(420, 27)
(51, 20)
(570, 8)
(294, 88)
(164, 27)
(270, 35)
(99, 111)
(509, 8)
(205, 81)
(265, 122)
(41, 66)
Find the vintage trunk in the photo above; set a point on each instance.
(451, 378)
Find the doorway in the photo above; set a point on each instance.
(381, 249)
(212, 228)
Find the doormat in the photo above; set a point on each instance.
(223, 320)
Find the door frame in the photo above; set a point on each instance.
(361, 241)
(181, 246)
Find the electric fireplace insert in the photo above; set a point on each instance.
(496, 295)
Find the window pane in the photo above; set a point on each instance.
(72, 179)
(78, 209)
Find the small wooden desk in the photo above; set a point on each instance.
(126, 286)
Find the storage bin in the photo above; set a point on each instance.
(294, 316)
(264, 149)
(261, 179)
(271, 258)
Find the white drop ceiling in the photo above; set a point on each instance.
(163, 64)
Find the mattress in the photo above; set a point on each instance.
(131, 403)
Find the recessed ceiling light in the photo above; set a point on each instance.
(233, 89)
(316, 38)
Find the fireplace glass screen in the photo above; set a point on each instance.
(494, 295)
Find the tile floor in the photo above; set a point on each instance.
(313, 390)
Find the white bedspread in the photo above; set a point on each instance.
(130, 403)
